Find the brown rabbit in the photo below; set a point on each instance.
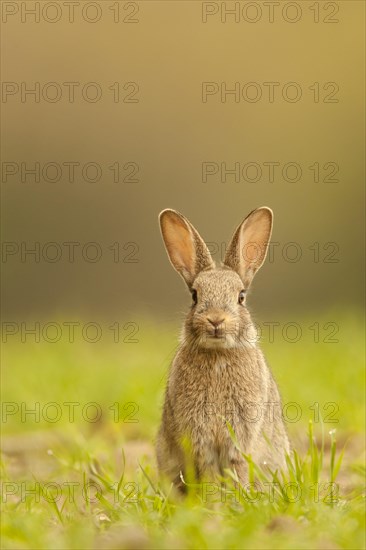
(219, 374)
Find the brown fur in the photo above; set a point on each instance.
(219, 374)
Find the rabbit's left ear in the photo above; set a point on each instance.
(186, 249)
(248, 247)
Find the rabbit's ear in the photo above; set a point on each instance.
(186, 249)
(248, 247)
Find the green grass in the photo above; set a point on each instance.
(318, 503)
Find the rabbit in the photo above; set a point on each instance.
(219, 374)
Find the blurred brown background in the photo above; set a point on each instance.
(169, 133)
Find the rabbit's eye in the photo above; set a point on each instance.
(241, 296)
(194, 296)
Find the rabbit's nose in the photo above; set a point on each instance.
(215, 323)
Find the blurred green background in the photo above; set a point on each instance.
(162, 143)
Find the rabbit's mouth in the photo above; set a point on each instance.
(217, 333)
(217, 339)
(216, 329)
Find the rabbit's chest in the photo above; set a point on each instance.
(212, 398)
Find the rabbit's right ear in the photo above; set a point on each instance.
(186, 249)
(248, 247)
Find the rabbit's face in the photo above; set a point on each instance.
(218, 317)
